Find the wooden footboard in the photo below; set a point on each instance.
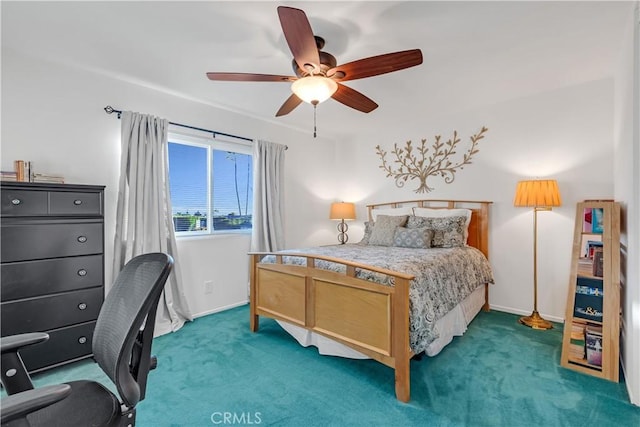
(366, 316)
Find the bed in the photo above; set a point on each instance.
(367, 305)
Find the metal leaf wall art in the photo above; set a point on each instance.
(424, 161)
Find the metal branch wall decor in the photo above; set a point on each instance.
(423, 163)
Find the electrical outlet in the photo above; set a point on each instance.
(208, 286)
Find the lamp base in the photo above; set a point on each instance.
(342, 236)
(535, 321)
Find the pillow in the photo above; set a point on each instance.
(448, 232)
(391, 212)
(439, 213)
(417, 238)
(384, 229)
(368, 228)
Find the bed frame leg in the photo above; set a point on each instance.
(254, 320)
(486, 306)
(400, 337)
(403, 383)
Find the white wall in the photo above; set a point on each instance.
(52, 114)
(565, 135)
(627, 191)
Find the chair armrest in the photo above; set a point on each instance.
(21, 404)
(16, 342)
(14, 375)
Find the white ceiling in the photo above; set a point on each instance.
(475, 53)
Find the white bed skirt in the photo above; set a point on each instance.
(452, 324)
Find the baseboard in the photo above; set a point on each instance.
(219, 309)
(624, 374)
(526, 313)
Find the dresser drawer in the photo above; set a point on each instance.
(64, 345)
(50, 312)
(23, 202)
(75, 203)
(32, 278)
(40, 240)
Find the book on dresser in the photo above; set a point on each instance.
(52, 267)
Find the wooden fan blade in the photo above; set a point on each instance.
(249, 77)
(297, 31)
(292, 102)
(354, 99)
(376, 65)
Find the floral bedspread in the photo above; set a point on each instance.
(443, 278)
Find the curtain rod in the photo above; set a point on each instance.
(109, 110)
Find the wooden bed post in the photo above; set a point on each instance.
(254, 320)
(484, 246)
(484, 229)
(401, 344)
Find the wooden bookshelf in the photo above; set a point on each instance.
(591, 338)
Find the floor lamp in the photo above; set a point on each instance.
(541, 195)
(342, 211)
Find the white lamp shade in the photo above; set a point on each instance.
(314, 88)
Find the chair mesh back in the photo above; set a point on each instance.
(135, 291)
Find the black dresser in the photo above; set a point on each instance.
(52, 271)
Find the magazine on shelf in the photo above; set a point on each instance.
(593, 339)
(598, 262)
(597, 218)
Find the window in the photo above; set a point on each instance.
(211, 183)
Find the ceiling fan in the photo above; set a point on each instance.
(317, 75)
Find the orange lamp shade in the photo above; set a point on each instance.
(342, 210)
(537, 193)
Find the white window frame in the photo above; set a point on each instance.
(206, 140)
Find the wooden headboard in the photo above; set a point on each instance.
(478, 227)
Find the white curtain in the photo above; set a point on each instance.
(144, 219)
(268, 197)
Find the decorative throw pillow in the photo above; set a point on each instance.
(368, 228)
(384, 229)
(449, 232)
(417, 238)
(445, 212)
(408, 210)
(417, 222)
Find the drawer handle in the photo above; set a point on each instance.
(82, 340)
(16, 202)
(82, 239)
(77, 202)
(82, 272)
(82, 306)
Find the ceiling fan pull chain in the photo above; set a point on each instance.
(315, 107)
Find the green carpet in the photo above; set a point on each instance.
(214, 371)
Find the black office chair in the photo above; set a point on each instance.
(121, 346)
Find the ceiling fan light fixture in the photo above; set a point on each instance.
(312, 89)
